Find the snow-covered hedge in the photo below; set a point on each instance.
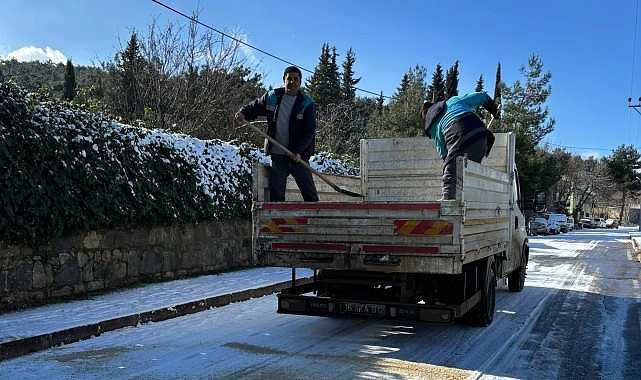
(65, 171)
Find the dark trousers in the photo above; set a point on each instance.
(465, 137)
(282, 167)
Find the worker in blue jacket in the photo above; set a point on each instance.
(291, 121)
(458, 131)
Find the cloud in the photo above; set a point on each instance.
(32, 53)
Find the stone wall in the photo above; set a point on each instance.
(102, 260)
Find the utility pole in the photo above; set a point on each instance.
(635, 106)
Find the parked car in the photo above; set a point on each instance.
(539, 226)
(561, 220)
(570, 223)
(586, 223)
(612, 223)
(553, 227)
(600, 223)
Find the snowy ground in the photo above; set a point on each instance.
(577, 318)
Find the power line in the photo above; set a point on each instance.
(577, 147)
(248, 45)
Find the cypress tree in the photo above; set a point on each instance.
(451, 81)
(70, 82)
(436, 90)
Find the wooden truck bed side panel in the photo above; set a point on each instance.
(400, 226)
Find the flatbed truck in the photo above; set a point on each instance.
(398, 252)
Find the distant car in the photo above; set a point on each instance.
(587, 223)
(554, 228)
(600, 223)
(539, 226)
(561, 220)
(612, 223)
(570, 223)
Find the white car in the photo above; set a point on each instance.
(600, 223)
(553, 226)
(561, 220)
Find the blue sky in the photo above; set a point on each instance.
(592, 48)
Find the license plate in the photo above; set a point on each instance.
(363, 308)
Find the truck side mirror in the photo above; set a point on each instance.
(540, 200)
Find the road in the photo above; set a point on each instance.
(578, 317)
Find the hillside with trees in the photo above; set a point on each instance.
(188, 81)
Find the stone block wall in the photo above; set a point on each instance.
(103, 260)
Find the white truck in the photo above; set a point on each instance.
(398, 252)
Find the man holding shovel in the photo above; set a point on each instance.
(291, 121)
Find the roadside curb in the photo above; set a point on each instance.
(19, 347)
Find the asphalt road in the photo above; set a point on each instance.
(579, 317)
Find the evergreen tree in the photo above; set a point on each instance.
(479, 111)
(70, 82)
(124, 74)
(348, 82)
(624, 167)
(324, 85)
(436, 90)
(451, 81)
(401, 117)
(497, 85)
(479, 84)
(522, 112)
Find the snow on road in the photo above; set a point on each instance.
(574, 319)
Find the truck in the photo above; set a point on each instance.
(397, 251)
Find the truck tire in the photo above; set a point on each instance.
(484, 311)
(516, 279)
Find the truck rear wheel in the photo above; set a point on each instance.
(516, 279)
(484, 311)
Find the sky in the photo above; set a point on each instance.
(591, 48)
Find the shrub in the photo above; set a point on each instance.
(65, 170)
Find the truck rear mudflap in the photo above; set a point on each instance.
(297, 300)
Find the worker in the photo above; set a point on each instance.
(291, 121)
(458, 131)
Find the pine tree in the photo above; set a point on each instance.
(624, 165)
(348, 82)
(324, 85)
(479, 111)
(451, 81)
(436, 90)
(479, 84)
(522, 112)
(70, 82)
(402, 117)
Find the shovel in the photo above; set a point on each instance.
(305, 164)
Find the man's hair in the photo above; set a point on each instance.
(292, 69)
(426, 106)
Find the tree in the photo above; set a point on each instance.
(401, 116)
(436, 90)
(479, 84)
(524, 113)
(184, 79)
(624, 167)
(324, 84)
(70, 82)
(451, 81)
(123, 89)
(348, 82)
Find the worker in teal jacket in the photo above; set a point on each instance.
(458, 131)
